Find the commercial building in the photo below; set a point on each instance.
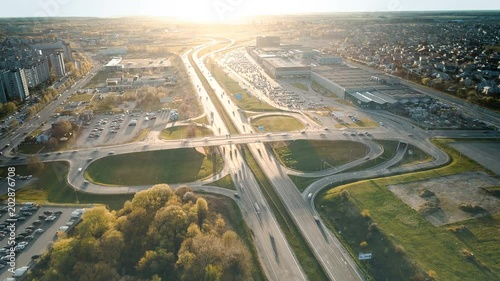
(13, 85)
(279, 62)
(57, 62)
(364, 88)
(114, 64)
(268, 41)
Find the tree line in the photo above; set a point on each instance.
(160, 235)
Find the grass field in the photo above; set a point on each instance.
(52, 187)
(302, 182)
(82, 97)
(389, 146)
(417, 156)
(225, 182)
(276, 123)
(99, 77)
(301, 86)
(433, 249)
(181, 132)
(231, 87)
(311, 155)
(363, 123)
(153, 167)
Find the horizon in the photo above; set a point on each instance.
(224, 10)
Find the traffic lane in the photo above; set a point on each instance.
(38, 245)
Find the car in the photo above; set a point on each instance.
(111, 152)
(34, 257)
(36, 222)
(28, 230)
(5, 258)
(236, 195)
(21, 218)
(42, 217)
(309, 196)
(80, 169)
(38, 231)
(48, 213)
(57, 212)
(27, 214)
(29, 237)
(23, 244)
(50, 218)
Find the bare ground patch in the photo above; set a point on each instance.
(445, 200)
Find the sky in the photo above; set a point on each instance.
(220, 10)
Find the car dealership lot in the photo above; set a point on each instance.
(40, 241)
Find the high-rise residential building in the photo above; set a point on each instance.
(36, 72)
(268, 41)
(67, 52)
(15, 85)
(57, 63)
(3, 91)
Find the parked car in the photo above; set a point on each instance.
(38, 231)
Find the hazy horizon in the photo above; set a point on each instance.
(218, 10)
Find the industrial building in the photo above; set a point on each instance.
(364, 88)
(268, 41)
(137, 65)
(279, 62)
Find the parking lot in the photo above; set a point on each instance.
(118, 128)
(36, 241)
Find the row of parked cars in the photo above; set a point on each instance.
(29, 233)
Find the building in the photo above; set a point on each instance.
(67, 51)
(36, 72)
(53, 48)
(280, 67)
(268, 41)
(279, 62)
(14, 85)
(114, 64)
(57, 62)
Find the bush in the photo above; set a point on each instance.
(473, 209)
(457, 228)
(365, 213)
(425, 193)
(428, 208)
(345, 194)
(363, 244)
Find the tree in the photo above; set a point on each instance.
(95, 222)
(213, 273)
(35, 165)
(202, 206)
(63, 128)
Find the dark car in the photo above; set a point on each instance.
(37, 222)
(48, 213)
(58, 212)
(42, 217)
(27, 214)
(34, 257)
(21, 218)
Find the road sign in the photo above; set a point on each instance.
(364, 256)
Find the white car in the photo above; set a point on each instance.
(38, 231)
(51, 218)
(23, 243)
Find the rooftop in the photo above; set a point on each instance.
(146, 63)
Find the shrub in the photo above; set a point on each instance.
(365, 213)
(345, 194)
(457, 228)
(469, 208)
(432, 274)
(363, 244)
(399, 249)
(425, 193)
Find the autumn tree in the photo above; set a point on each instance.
(202, 206)
(35, 165)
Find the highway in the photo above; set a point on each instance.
(278, 260)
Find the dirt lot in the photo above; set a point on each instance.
(449, 193)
